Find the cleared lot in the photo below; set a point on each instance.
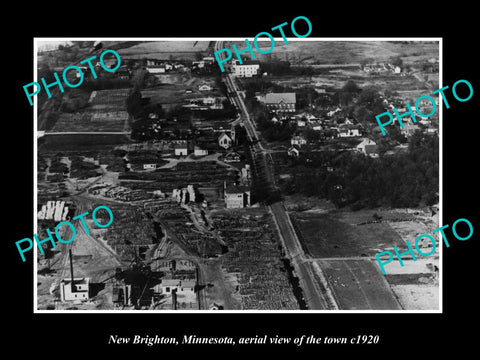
(358, 285)
(326, 235)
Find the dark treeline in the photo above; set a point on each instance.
(351, 179)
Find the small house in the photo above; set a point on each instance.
(368, 147)
(181, 287)
(156, 69)
(149, 166)
(224, 141)
(232, 156)
(181, 149)
(205, 87)
(298, 140)
(349, 131)
(301, 122)
(79, 290)
(237, 196)
(409, 128)
(293, 151)
(200, 151)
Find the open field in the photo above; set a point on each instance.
(358, 285)
(407, 85)
(417, 297)
(82, 141)
(328, 235)
(113, 121)
(164, 50)
(346, 52)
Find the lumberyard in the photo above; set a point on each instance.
(254, 259)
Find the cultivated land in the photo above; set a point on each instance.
(165, 50)
(343, 52)
(344, 244)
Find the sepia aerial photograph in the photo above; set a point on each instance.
(268, 186)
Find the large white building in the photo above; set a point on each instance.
(79, 292)
(249, 68)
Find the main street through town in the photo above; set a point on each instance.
(316, 291)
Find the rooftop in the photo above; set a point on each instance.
(249, 62)
(234, 189)
(276, 98)
(371, 149)
(78, 281)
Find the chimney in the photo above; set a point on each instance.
(174, 299)
(74, 289)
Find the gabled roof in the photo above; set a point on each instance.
(181, 146)
(232, 153)
(276, 98)
(234, 189)
(223, 134)
(366, 142)
(249, 62)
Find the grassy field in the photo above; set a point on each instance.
(358, 285)
(329, 235)
(165, 50)
(80, 142)
(173, 86)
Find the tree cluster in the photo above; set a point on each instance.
(280, 131)
(408, 179)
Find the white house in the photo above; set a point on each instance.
(156, 69)
(293, 151)
(224, 141)
(236, 196)
(368, 147)
(333, 112)
(298, 140)
(181, 287)
(348, 131)
(149, 166)
(181, 149)
(232, 156)
(248, 68)
(80, 291)
(199, 151)
(301, 123)
(205, 87)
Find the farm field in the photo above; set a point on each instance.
(164, 50)
(358, 285)
(105, 112)
(308, 52)
(329, 235)
(91, 122)
(408, 86)
(80, 142)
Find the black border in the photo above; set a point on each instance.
(420, 333)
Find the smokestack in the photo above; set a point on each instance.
(71, 271)
(174, 299)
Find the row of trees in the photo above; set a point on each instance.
(280, 131)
